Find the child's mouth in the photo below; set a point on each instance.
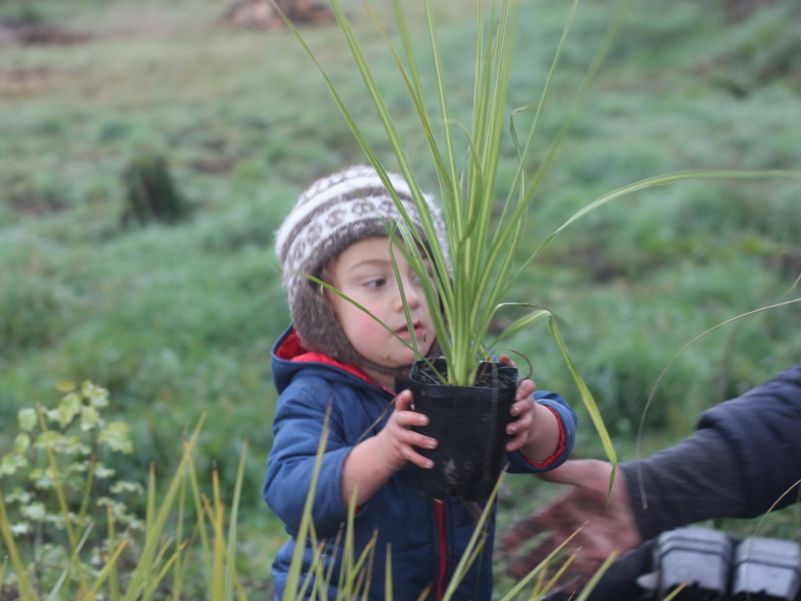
(419, 332)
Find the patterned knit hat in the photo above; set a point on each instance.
(335, 212)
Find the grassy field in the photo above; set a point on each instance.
(178, 320)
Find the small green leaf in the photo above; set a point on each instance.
(78, 467)
(102, 472)
(20, 528)
(68, 408)
(22, 443)
(26, 419)
(96, 395)
(50, 440)
(10, 464)
(90, 417)
(117, 436)
(65, 386)
(34, 511)
(18, 494)
(127, 487)
(42, 479)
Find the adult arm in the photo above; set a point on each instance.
(745, 455)
(744, 458)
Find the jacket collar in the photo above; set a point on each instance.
(289, 348)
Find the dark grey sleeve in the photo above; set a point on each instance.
(695, 480)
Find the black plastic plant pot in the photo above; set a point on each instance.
(469, 423)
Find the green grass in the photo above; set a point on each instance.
(179, 320)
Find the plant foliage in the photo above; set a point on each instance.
(470, 278)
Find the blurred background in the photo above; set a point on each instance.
(150, 148)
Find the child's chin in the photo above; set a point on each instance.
(403, 361)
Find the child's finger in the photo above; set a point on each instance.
(403, 402)
(407, 418)
(522, 406)
(416, 458)
(415, 439)
(516, 443)
(506, 360)
(525, 389)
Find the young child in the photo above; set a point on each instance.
(337, 358)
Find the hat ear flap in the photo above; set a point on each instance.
(316, 323)
(319, 330)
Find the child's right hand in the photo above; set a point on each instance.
(398, 443)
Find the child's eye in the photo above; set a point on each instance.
(375, 283)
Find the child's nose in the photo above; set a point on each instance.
(411, 293)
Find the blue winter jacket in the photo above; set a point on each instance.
(426, 537)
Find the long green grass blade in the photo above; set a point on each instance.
(72, 564)
(293, 578)
(443, 108)
(230, 564)
(57, 485)
(168, 565)
(477, 539)
(417, 96)
(200, 514)
(24, 584)
(587, 399)
(655, 182)
(540, 567)
(113, 576)
(179, 572)
(521, 323)
(216, 512)
(87, 489)
(388, 575)
(108, 570)
(144, 569)
(592, 583)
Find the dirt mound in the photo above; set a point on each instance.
(261, 14)
(34, 31)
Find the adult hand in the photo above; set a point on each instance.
(604, 527)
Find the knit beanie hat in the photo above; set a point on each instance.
(333, 213)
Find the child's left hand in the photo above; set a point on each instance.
(524, 409)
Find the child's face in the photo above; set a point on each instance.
(363, 272)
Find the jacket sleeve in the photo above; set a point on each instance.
(762, 428)
(745, 455)
(302, 418)
(518, 462)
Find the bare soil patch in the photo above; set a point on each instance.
(31, 32)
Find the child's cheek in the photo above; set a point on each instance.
(367, 326)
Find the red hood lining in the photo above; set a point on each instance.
(291, 349)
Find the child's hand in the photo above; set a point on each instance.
(525, 409)
(397, 442)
